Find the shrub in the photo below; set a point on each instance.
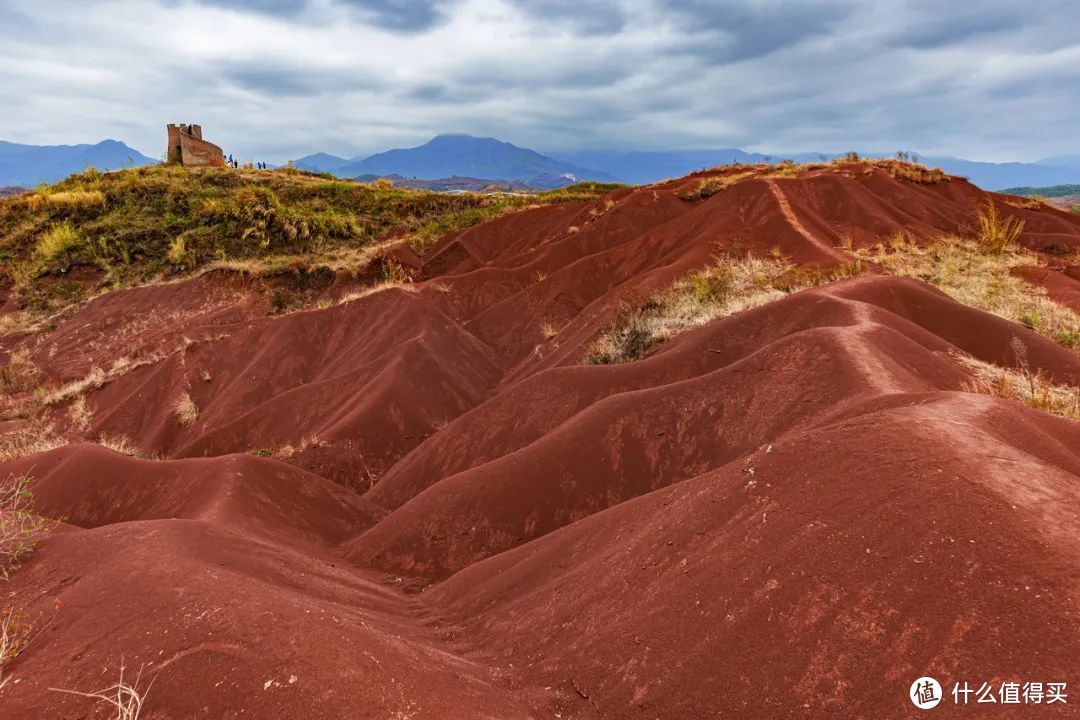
(21, 529)
(394, 272)
(626, 340)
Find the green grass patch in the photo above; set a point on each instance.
(141, 224)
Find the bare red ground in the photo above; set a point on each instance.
(793, 512)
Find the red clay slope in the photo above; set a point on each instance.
(793, 512)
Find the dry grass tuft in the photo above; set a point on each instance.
(80, 415)
(177, 252)
(726, 288)
(16, 631)
(29, 438)
(997, 233)
(709, 186)
(20, 374)
(121, 444)
(912, 172)
(1033, 389)
(185, 410)
(965, 271)
(125, 699)
(93, 380)
(59, 240)
(76, 198)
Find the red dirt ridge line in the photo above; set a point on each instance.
(422, 504)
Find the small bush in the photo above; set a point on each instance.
(21, 529)
(626, 340)
(394, 272)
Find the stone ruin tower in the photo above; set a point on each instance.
(187, 148)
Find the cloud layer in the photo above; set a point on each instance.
(276, 79)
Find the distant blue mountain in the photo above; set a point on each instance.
(1069, 161)
(447, 156)
(997, 176)
(30, 165)
(651, 166)
(322, 162)
(640, 167)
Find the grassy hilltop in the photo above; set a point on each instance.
(145, 223)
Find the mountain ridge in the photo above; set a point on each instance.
(451, 155)
(31, 165)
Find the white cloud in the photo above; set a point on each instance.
(270, 81)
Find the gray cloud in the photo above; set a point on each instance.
(397, 15)
(283, 80)
(728, 32)
(275, 79)
(586, 18)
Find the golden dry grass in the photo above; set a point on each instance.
(970, 273)
(80, 415)
(28, 438)
(76, 198)
(56, 241)
(996, 231)
(728, 287)
(185, 410)
(1031, 388)
(125, 698)
(20, 374)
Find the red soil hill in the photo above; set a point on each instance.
(791, 512)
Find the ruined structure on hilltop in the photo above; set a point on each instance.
(187, 148)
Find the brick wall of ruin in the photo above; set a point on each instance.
(187, 147)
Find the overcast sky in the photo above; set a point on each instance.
(275, 79)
